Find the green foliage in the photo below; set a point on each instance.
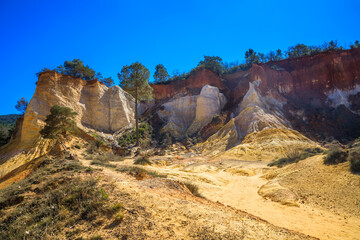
(107, 81)
(161, 75)
(193, 188)
(135, 80)
(251, 57)
(9, 119)
(331, 46)
(142, 161)
(274, 56)
(355, 45)
(298, 50)
(335, 156)
(58, 122)
(296, 156)
(5, 133)
(76, 68)
(55, 199)
(21, 105)
(129, 138)
(7, 125)
(354, 158)
(212, 63)
(41, 71)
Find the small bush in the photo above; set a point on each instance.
(194, 189)
(142, 161)
(145, 134)
(295, 156)
(354, 158)
(118, 218)
(117, 207)
(335, 156)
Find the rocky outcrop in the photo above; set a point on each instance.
(208, 105)
(178, 114)
(99, 107)
(189, 114)
(190, 86)
(258, 112)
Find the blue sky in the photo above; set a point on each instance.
(107, 35)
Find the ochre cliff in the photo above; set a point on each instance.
(99, 107)
(191, 85)
(278, 105)
(317, 96)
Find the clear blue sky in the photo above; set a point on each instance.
(109, 34)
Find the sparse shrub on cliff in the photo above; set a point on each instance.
(335, 156)
(354, 158)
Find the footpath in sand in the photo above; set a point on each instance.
(236, 184)
(241, 192)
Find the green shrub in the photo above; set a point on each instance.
(142, 161)
(335, 156)
(194, 189)
(129, 137)
(354, 158)
(296, 156)
(117, 207)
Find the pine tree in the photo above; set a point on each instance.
(135, 80)
(59, 122)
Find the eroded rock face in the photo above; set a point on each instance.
(99, 107)
(258, 112)
(208, 104)
(178, 114)
(189, 114)
(192, 85)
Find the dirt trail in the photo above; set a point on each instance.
(241, 192)
(176, 214)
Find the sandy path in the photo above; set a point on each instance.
(172, 209)
(241, 193)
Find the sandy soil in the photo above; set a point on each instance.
(217, 183)
(326, 204)
(175, 213)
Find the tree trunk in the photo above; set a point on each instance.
(136, 119)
